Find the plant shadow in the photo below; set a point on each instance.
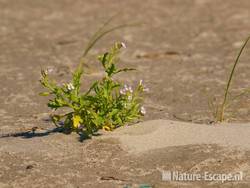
(32, 133)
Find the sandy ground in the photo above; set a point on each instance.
(158, 134)
(131, 156)
(183, 52)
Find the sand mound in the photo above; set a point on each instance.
(157, 134)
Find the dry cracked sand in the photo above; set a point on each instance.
(183, 52)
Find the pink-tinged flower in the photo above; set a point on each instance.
(130, 89)
(50, 70)
(142, 110)
(126, 87)
(122, 92)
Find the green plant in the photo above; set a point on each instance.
(107, 104)
(220, 109)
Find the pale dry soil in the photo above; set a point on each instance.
(183, 52)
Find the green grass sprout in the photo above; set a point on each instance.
(220, 109)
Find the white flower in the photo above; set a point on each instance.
(143, 110)
(122, 91)
(130, 98)
(130, 89)
(141, 82)
(123, 45)
(126, 87)
(70, 86)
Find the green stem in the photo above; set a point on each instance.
(90, 43)
(101, 34)
(223, 106)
